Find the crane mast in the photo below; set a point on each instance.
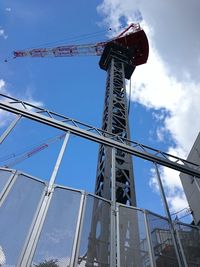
(119, 63)
(115, 120)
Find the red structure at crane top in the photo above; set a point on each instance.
(133, 38)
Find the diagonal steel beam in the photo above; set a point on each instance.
(188, 168)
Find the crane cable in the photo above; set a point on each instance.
(72, 39)
(129, 99)
(186, 208)
(187, 212)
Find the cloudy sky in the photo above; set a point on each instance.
(165, 91)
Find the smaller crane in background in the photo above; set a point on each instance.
(14, 159)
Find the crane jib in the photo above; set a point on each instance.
(136, 41)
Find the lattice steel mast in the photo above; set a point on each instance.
(119, 59)
(116, 61)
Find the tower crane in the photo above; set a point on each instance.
(119, 57)
(133, 37)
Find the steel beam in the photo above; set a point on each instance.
(184, 165)
(9, 129)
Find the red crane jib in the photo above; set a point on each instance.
(136, 41)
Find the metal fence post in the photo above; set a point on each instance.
(77, 236)
(9, 129)
(149, 241)
(113, 214)
(37, 227)
(8, 186)
(166, 207)
(29, 250)
(180, 246)
(118, 235)
(59, 159)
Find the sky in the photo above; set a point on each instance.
(164, 92)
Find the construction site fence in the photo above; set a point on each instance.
(68, 227)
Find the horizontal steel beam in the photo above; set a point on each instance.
(13, 107)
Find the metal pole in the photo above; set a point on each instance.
(118, 236)
(77, 236)
(166, 207)
(58, 162)
(163, 193)
(197, 184)
(113, 213)
(8, 186)
(149, 241)
(29, 250)
(181, 247)
(113, 190)
(9, 129)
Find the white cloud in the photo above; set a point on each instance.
(2, 257)
(168, 84)
(178, 202)
(8, 9)
(7, 117)
(2, 33)
(154, 87)
(160, 132)
(172, 186)
(2, 85)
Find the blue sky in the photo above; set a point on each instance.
(75, 86)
